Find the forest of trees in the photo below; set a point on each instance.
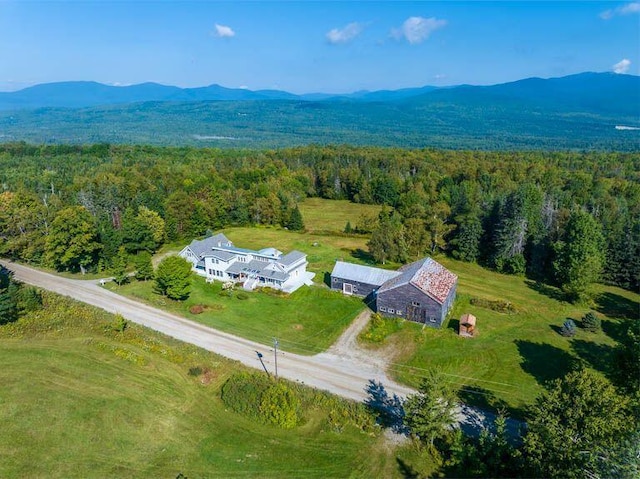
(566, 218)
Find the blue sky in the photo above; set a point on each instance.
(310, 46)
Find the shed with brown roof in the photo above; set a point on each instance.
(467, 325)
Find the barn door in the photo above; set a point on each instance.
(347, 288)
(415, 313)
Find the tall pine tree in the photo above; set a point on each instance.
(579, 256)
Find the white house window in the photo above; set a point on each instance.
(383, 309)
(399, 312)
(392, 311)
(415, 303)
(433, 320)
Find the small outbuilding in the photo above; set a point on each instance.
(467, 325)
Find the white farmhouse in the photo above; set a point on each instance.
(216, 258)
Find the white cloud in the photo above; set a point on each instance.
(344, 35)
(622, 66)
(627, 9)
(417, 29)
(222, 31)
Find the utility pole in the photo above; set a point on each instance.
(275, 354)
(262, 362)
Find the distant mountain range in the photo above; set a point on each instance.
(577, 111)
(82, 94)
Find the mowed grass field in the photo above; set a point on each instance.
(514, 354)
(307, 321)
(504, 366)
(322, 215)
(79, 400)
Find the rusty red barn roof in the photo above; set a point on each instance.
(428, 276)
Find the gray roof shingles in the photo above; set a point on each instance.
(256, 267)
(199, 247)
(291, 257)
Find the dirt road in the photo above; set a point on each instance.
(345, 369)
(342, 374)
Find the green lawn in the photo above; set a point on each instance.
(322, 215)
(513, 354)
(80, 401)
(307, 321)
(322, 249)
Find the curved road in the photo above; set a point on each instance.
(335, 371)
(344, 369)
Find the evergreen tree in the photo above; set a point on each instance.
(591, 322)
(29, 299)
(8, 296)
(519, 225)
(143, 266)
(622, 262)
(173, 278)
(430, 412)
(119, 269)
(295, 222)
(466, 244)
(627, 359)
(575, 430)
(348, 229)
(579, 256)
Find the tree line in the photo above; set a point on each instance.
(581, 426)
(568, 218)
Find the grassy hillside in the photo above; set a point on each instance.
(322, 215)
(307, 321)
(79, 400)
(514, 353)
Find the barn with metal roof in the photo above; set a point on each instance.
(422, 291)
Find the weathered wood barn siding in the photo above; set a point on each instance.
(364, 280)
(359, 289)
(408, 302)
(423, 292)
